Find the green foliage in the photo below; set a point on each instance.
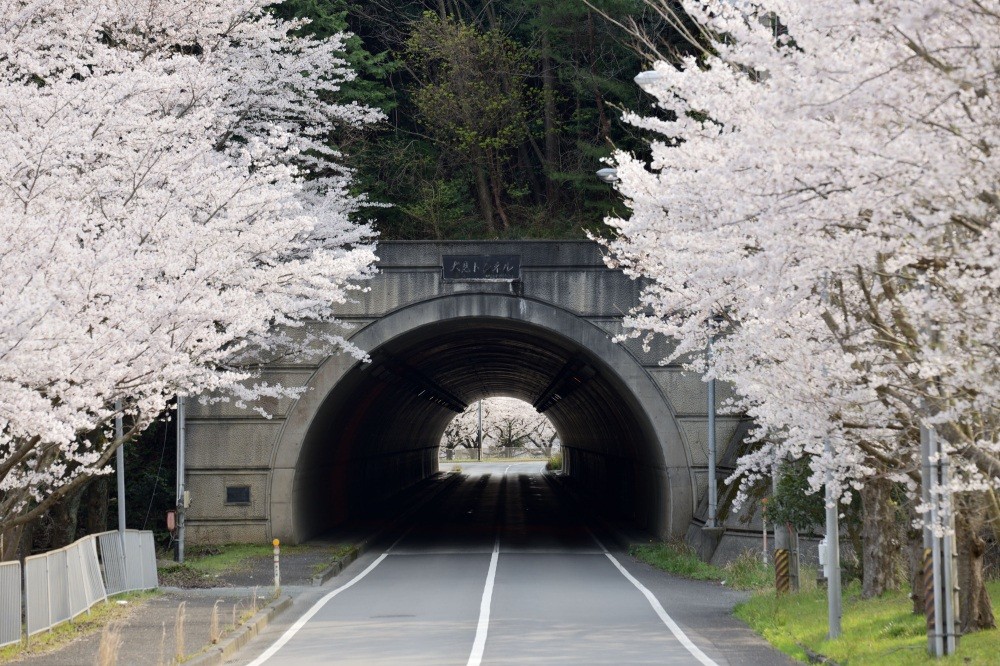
(746, 572)
(876, 631)
(499, 112)
(795, 502)
(749, 572)
(555, 461)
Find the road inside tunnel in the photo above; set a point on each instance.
(378, 431)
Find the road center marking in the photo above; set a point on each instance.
(301, 622)
(479, 645)
(483, 628)
(658, 608)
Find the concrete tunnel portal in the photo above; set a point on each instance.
(371, 429)
(634, 430)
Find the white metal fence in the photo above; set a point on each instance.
(10, 602)
(61, 584)
(133, 570)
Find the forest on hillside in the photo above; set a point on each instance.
(498, 112)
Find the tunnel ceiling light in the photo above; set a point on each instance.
(572, 376)
(417, 382)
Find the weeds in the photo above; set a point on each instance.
(179, 651)
(214, 634)
(746, 572)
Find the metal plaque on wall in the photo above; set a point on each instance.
(481, 267)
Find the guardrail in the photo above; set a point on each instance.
(62, 584)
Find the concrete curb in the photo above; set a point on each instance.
(339, 565)
(218, 654)
(366, 543)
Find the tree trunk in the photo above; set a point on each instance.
(915, 550)
(551, 130)
(483, 190)
(880, 540)
(976, 612)
(604, 125)
(496, 180)
(12, 541)
(64, 515)
(97, 506)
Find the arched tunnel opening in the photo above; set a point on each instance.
(379, 429)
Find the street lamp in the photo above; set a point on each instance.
(646, 80)
(608, 175)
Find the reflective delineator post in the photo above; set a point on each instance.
(277, 564)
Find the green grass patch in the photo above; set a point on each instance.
(82, 625)
(555, 461)
(205, 564)
(880, 631)
(216, 560)
(746, 572)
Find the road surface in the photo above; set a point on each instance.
(500, 569)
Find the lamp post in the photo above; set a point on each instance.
(608, 175)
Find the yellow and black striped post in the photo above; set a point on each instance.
(929, 592)
(782, 579)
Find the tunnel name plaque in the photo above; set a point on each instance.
(481, 267)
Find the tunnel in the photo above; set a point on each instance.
(372, 429)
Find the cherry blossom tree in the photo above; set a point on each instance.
(507, 423)
(170, 211)
(823, 196)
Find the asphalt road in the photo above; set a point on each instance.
(500, 569)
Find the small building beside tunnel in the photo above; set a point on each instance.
(440, 336)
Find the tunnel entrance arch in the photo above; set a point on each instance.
(363, 430)
(555, 312)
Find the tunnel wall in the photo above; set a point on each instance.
(564, 288)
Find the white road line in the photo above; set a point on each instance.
(479, 645)
(658, 609)
(301, 622)
(483, 628)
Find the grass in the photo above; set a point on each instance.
(100, 616)
(746, 572)
(880, 631)
(211, 562)
(555, 461)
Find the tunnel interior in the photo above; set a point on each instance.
(379, 429)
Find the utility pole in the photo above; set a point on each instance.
(713, 489)
(833, 591)
(120, 470)
(940, 576)
(181, 492)
(479, 433)
(834, 605)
